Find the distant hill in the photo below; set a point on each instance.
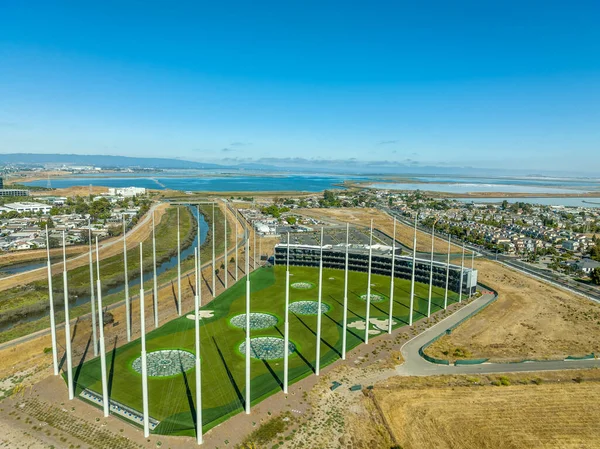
(103, 161)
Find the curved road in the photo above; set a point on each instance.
(415, 365)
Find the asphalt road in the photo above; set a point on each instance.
(415, 365)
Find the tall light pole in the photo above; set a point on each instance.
(198, 366)
(225, 262)
(345, 312)
(462, 268)
(236, 246)
(412, 281)
(447, 273)
(179, 265)
(52, 318)
(431, 270)
(368, 312)
(155, 290)
(392, 278)
(199, 267)
(248, 348)
(214, 264)
(286, 324)
(320, 301)
(92, 296)
(105, 400)
(143, 354)
(254, 251)
(127, 301)
(67, 323)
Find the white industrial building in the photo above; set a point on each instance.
(28, 207)
(127, 191)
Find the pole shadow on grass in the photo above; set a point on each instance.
(347, 328)
(349, 309)
(81, 361)
(111, 373)
(229, 374)
(273, 373)
(297, 351)
(188, 393)
(315, 334)
(386, 313)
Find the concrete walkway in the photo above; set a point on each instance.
(415, 365)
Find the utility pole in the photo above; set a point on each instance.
(345, 318)
(431, 270)
(105, 399)
(143, 351)
(368, 311)
(412, 282)
(214, 266)
(179, 265)
(154, 271)
(286, 324)
(248, 344)
(225, 261)
(92, 297)
(67, 323)
(462, 268)
(52, 317)
(127, 301)
(318, 350)
(447, 274)
(392, 278)
(198, 365)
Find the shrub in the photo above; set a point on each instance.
(504, 381)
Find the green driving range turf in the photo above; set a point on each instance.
(171, 398)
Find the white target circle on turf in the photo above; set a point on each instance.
(167, 362)
(308, 307)
(257, 320)
(267, 348)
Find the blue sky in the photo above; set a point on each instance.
(506, 84)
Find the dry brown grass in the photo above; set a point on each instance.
(530, 319)
(38, 254)
(72, 191)
(362, 217)
(468, 413)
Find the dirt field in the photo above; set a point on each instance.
(470, 413)
(530, 320)
(72, 191)
(108, 248)
(362, 217)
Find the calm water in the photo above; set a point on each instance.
(233, 183)
(134, 277)
(593, 184)
(465, 184)
(476, 188)
(569, 202)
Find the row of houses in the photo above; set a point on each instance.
(25, 233)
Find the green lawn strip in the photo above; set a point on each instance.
(223, 375)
